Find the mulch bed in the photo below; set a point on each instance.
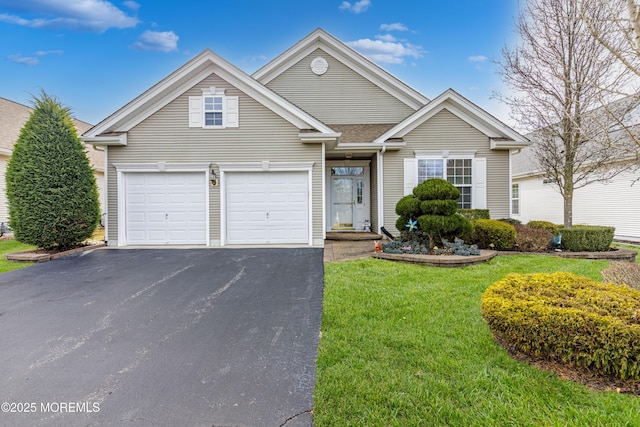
(591, 379)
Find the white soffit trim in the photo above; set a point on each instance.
(188, 76)
(161, 167)
(106, 140)
(265, 166)
(357, 62)
(465, 110)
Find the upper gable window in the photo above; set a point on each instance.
(213, 110)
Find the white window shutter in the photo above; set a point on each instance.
(479, 171)
(410, 175)
(231, 112)
(195, 112)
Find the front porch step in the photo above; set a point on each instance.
(352, 235)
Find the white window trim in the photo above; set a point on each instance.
(263, 166)
(123, 168)
(210, 93)
(448, 155)
(517, 184)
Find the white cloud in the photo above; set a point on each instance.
(386, 37)
(394, 27)
(33, 60)
(131, 5)
(478, 58)
(384, 52)
(81, 15)
(357, 7)
(159, 41)
(24, 60)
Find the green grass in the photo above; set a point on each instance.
(405, 345)
(7, 247)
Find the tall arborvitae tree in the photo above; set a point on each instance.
(52, 193)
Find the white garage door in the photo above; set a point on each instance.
(166, 208)
(267, 207)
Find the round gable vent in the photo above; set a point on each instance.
(319, 66)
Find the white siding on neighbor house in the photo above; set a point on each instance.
(261, 135)
(445, 131)
(615, 204)
(339, 96)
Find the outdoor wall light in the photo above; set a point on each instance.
(212, 177)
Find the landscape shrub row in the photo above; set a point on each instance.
(567, 318)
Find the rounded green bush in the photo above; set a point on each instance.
(494, 234)
(569, 319)
(408, 207)
(444, 226)
(401, 223)
(544, 225)
(436, 189)
(438, 207)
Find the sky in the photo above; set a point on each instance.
(96, 55)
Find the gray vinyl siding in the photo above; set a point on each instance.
(340, 96)
(445, 131)
(262, 135)
(374, 193)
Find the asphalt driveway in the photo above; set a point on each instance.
(212, 337)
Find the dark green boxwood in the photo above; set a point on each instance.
(569, 319)
(444, 226)
(439, 207)
(51, 190)
(493, 234)
(472, 214)
(436, 189)
(587, 238)
(408, 207)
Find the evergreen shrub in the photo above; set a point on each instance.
(569, 319)
(51, 190)
(532, 239)
(493, 234)
(544, 225)
(472, 214)
(589, 238)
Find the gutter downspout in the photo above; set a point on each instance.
(381, 188)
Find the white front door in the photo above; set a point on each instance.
(343, 203)
(348, 198)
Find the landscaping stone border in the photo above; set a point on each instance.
(439, 260)
(620, 254)
(34, 256)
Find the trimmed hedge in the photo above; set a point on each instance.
(408, 207)
(436, 189)
(493, 234)
(439, 207)
(544, 225)
(589, 238)
(472, 214)
(567, 318)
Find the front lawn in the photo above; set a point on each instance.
(406, 345)
(9, 246)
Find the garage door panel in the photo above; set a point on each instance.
(165, 208)
(267, 207)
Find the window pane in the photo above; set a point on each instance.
(213, 119)
(464, 201)
(430, 168)
(346, 170)
(359, 191)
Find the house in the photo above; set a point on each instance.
(13, 116)
(613, 202)
(319, 139)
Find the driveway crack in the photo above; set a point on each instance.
(291, 418)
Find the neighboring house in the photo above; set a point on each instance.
(319, 139)
(613, 202)
(13, 116)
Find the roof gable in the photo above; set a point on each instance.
(320, 39)
(501, 135)
(188, 76)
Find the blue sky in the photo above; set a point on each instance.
(97, 55)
